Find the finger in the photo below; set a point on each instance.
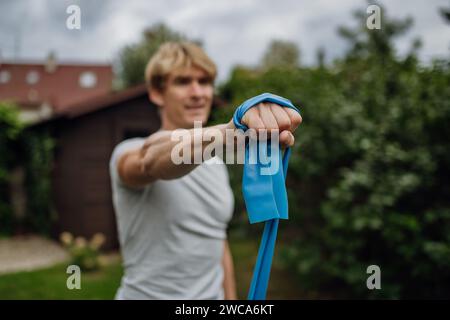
(282, 118)
(252, 119)
(287, 139)
(267, 117)
(295, 118)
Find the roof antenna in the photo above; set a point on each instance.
(50, 63)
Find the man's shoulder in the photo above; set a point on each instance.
(119, 150)
(129, 144)
(126, 145)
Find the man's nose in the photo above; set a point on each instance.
(196, 89)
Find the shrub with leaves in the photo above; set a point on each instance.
(10, 130)
(368, 177)
(84, 253)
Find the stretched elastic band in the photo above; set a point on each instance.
(265, 194)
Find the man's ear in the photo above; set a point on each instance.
(156, 97)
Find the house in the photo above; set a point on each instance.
(86, 120)
(42, 89)
(85, 135)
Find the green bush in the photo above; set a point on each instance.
(368, 179)
(38, 149)
(84, 253)
(31, 150)
(10, 129)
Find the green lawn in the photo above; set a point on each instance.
(282, 285)
(50, 283)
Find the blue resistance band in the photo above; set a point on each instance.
(265, 195)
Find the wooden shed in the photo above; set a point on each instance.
(86, 135)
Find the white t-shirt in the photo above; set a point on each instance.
(172, 232)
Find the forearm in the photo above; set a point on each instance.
(155, 160)
(158, 158)
(229, 281)
(161, 154)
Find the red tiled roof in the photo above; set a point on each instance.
(110, 99)
(60, 88)
(100, 102)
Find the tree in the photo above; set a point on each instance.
(281, 54)
(133, 58)
(10, 130)
(445, 12)
(368, 175)
(32, 150)
(320, 56)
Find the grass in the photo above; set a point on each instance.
(50, 283)
(282, 284)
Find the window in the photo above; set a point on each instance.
(32, 77)
(88, 79)
(5, 76)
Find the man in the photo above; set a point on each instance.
(171, 218)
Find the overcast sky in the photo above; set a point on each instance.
(232, 31)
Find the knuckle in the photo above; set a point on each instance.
(284, 124)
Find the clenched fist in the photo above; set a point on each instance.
(271, 116)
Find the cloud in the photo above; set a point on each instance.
(232, 32)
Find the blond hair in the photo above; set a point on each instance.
(174, 55)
